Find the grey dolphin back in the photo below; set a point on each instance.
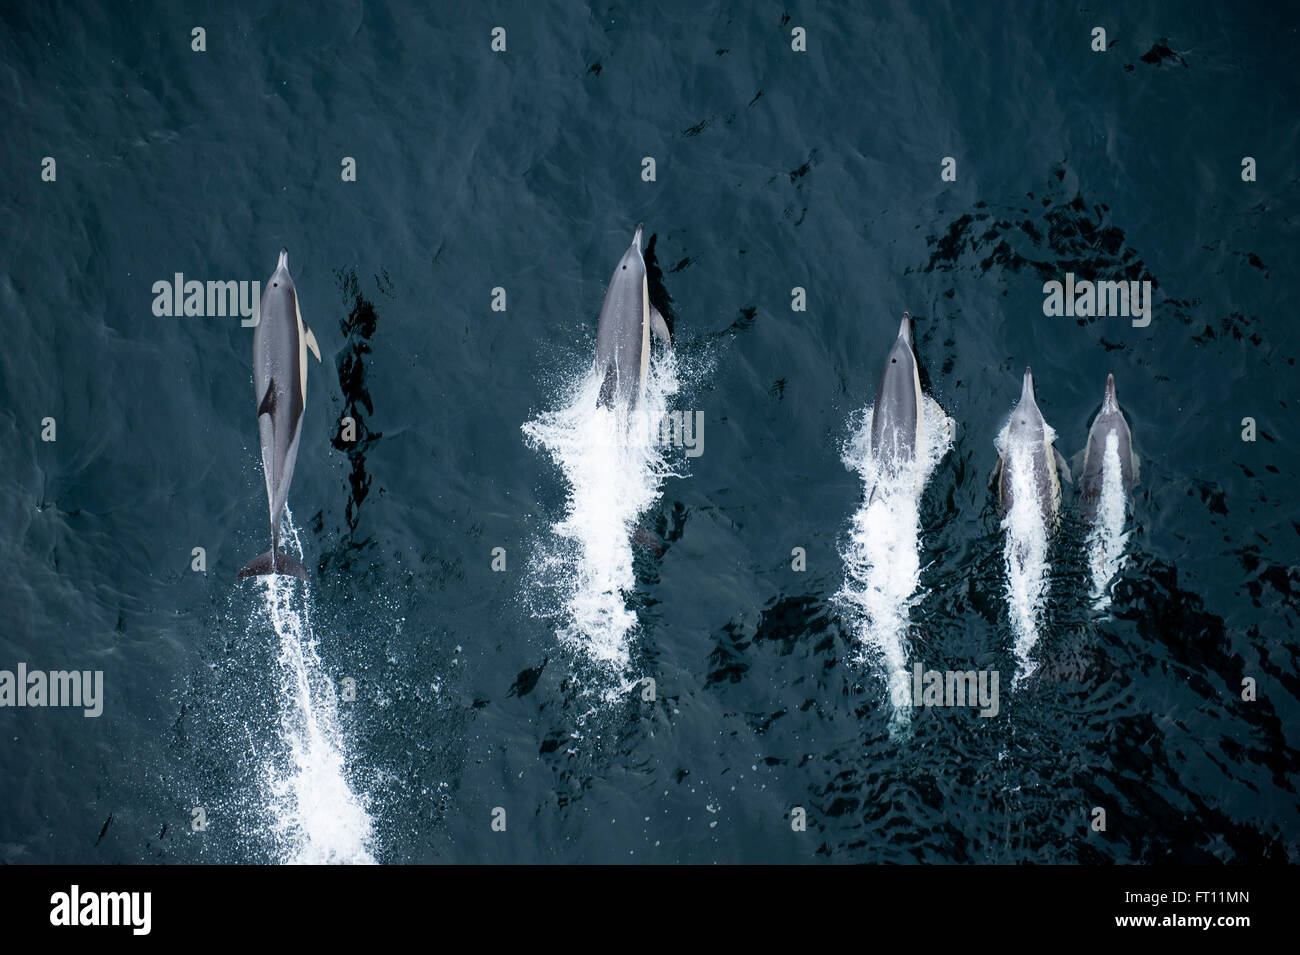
(280, 345)
(1025, 436)
(895, 417)
(623, 332)
(1110, 420)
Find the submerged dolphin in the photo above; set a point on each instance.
(623, 333)
(1027, 441)
(280, 378)
(1110, 420)
(896, 418)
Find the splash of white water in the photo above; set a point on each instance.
(882, 556)
(316, 817)
(1024, 551)
(1107, 539)
(615, 464)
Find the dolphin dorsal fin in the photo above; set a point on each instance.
(268, 400)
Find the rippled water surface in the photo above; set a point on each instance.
(610, 647)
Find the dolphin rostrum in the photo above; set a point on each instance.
(896, 418)
(1026, 442)
(1109, 421)
(623, 333)
(280, 379)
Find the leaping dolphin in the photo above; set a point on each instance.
(1110, 420)
(280, 347)
(1026, 441)
(623, 333)
(896, 417)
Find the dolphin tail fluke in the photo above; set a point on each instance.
(284, 564)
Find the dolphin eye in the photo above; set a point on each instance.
(275, 284)
(893, 361)
(625, 268)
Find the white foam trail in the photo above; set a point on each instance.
(882, 556)
(1024, 551)
(615, 466)
(316, 817)
(1106, 538)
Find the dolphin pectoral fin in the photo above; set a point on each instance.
(1062, 469)
(268, 400)
(606, 398)
(659, 326)
(310, 339)
(284, 565)
(996, 477)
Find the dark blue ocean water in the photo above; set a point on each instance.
(226, 739)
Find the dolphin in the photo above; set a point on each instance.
(623, 333)
(1027, 438)
(280, 347)
(896, 417)
(1110, 420)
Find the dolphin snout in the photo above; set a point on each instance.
(636, 239)
(1111, 400)
(905, 328)
(1027, 388)
(284, 259)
